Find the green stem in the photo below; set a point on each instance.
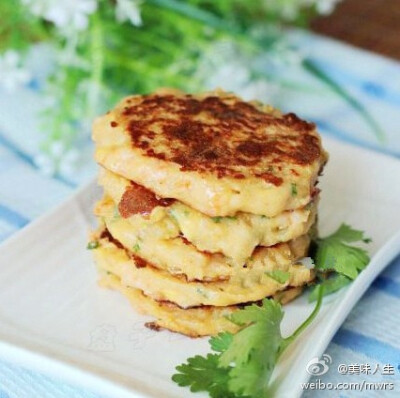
(305, 324)
(316, 71)
(136, 65)
(195, 13)
(97, 58)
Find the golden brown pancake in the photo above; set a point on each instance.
(162, 286)
(159, 244)
(193, 322)
(212, 151)
(234, 237)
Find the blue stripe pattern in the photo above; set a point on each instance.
(7, 143)
(388, 286)
(369, 346)
(371, 88)
(12, 217)
(326, 127)
(13, 148)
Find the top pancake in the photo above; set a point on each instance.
(212, 151)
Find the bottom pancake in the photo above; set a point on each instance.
(135, 272)
(193, 322)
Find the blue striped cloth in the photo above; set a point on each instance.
(370, 335)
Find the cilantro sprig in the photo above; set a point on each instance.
(242, 363)
(337, 260)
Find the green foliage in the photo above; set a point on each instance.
(221, 342)
(336, 261)
(331, 284)
(18, 29)
(254, 350)
(204, 374)
(245, 360)
(335, 253)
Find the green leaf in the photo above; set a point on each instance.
(315, 70)
(333, 253)
(136, 247)
(331, 285)
(217, 219)
(348, 234)
(221, 342)
(204, 374)
(279, 276)
(254, 349)
(250, 379)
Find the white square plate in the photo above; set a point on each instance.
(53, 316)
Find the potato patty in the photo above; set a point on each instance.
(162, 286)
(212, 151)
(160, 244)
(193, 322)
(234, 237)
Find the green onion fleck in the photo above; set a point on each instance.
(94, 244)
(279, 276)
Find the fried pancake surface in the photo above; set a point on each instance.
(193, 322)
(234, 237)
(212, 151)
(162, 286)
(161, 244)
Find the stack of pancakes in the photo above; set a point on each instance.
(209, 204)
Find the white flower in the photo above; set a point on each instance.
(325, 7)
(129, 10)
(57, 148)
(307, 262)
(282, 53)
(12, 74)
(64, 13)
(46, 164)
(230, 77)
(259, 89)
(58, 159)
(289, 10)
(225, 66)
(69, 163)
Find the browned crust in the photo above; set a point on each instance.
(139, 200)
(219, 134)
